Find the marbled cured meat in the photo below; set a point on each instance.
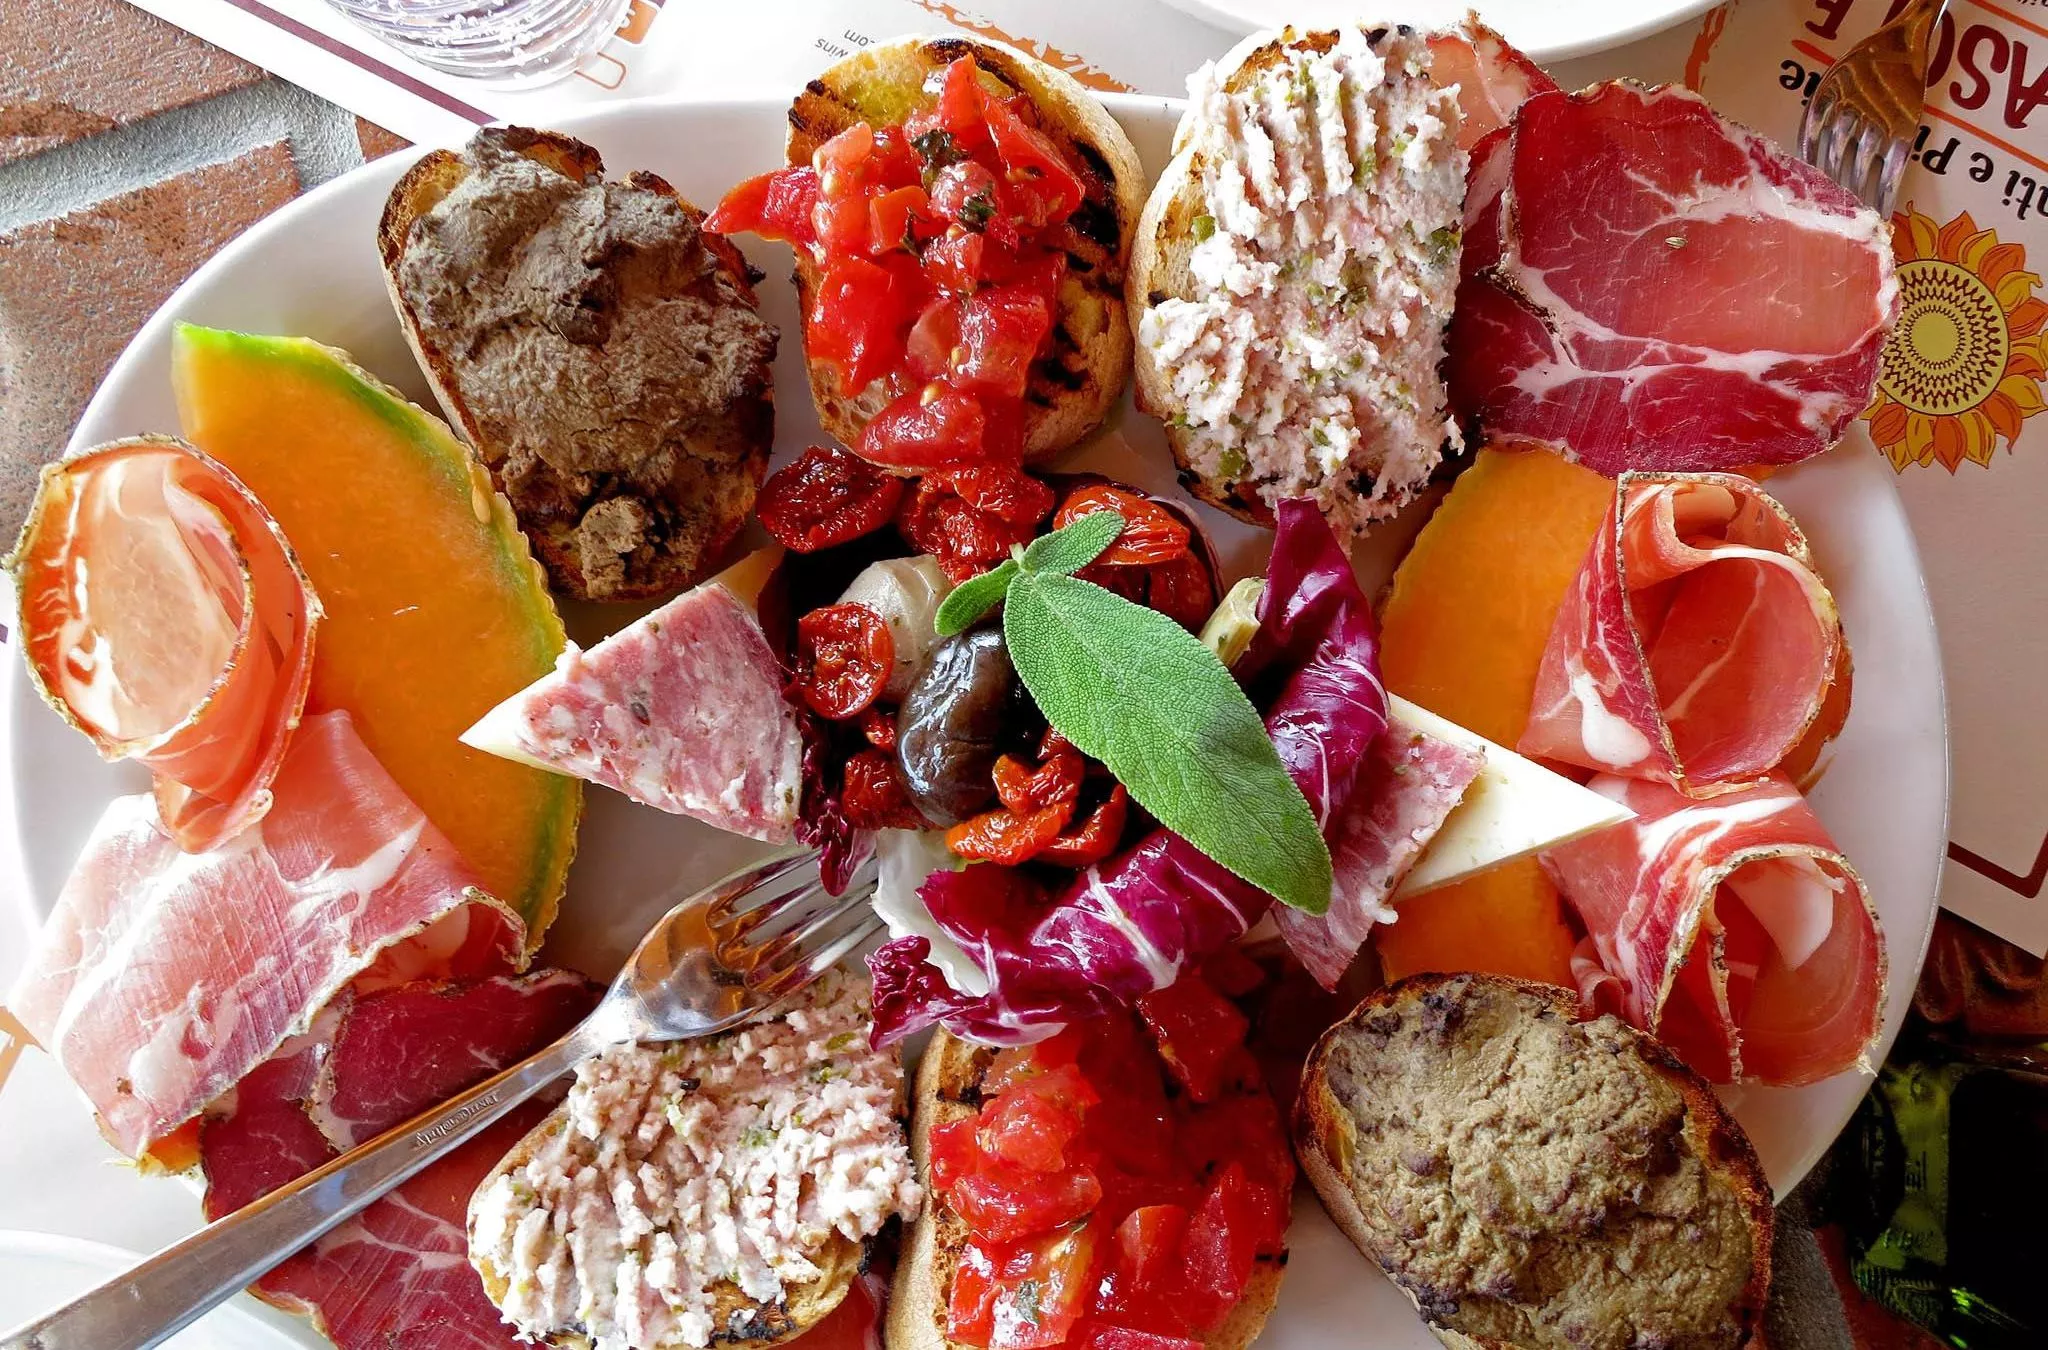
(1697, 644)
(163, 977)
(1407, 786)
(1656, 288)
(163, 614)
(682, 710)
(396, 1274)
(1492, 77)
(1732, 929)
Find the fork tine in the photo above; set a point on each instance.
(783, 983)
(804, 922)
(1871, 146)
(1813, 126)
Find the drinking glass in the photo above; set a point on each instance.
(510, 44)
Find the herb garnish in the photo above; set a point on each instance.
(1203, 227)
(978, 210)
(1132, 688)
(937, 148)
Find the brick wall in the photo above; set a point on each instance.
(130, 151)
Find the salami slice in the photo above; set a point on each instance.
(1733, 929)
(1697, 644)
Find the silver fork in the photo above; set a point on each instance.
(724, 956)
(1862, 121)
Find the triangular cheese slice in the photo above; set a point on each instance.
(1515, 807)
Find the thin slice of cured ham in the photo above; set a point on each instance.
(1408, 785)
(1696, 646)
(1133, 923)
(162, 977)
(682, 711)
(1733, 929)
(1647, 286)
(164, 615)
(396, 1275)
(1493, 78)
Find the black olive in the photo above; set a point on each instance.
(964, 709)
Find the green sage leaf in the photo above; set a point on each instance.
(1134, 689)
(966, 603)
(1073, 546)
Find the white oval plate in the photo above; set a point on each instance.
(1548, 30)
(312, 269)
(41, 1271)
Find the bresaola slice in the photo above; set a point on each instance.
(1733, 929)
(164, 615)
(1132, 924)
(1696, 646)
(1667, 290)
(397, 1274)
(163, 977)
(682, 711)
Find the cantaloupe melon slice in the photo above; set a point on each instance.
(1463, 634)
(436, 611)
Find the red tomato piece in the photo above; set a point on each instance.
(1152, 534)
(859, 319)
(1182, 590)
(928, 354)
(1035, 167)
(842, 161)
(1148, 1243)
(959, 107)
(1044, 1288)
(930, 428)
(1230, 972)
(775, 205)
(1223, 1240)
(971, 1303)
(1101, 1336)
(844, 656)
(1002, 329)
(965, 194)
(1197, 1029)
(878, 726)
(828, 496)
(901, 218)
(1031, 1125)
(1007, 837)
(1096, 837)
(956, 1151)
(1056, 782)
(1005, 1203)
(894, 162)
(873, 794)
(954, 261)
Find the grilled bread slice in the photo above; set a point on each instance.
(625, 530)
(1074, 386)
(1533, 1181)
(949, 1079)
(749, 1323)
(1374, 313)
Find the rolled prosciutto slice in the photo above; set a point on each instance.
(396, 1274)
(1493, 78)
(1697, 645)
(1732, 929)
(1132, 924)
(1647, 286)
(163, 977)
(164, 615)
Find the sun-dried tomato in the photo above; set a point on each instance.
(1051, 743)
(827, 497)
(1152, 534)
(879, 726)
(1097, 836)
(844, 656)
(1003, 836)
(970, 518)
(874, 795)
(1182, 590)
(1055, 782)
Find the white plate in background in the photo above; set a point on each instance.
(40, 1272)
(312, 269)
(1548, 30)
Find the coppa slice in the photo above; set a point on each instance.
(164, 616)
(682, 711)
(163, 977)
(435, 608)
(1647, 286)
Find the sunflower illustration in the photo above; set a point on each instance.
(1963, 368)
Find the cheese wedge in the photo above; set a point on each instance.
(1515, 807)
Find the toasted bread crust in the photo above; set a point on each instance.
(748, 430)
(1074, 387)
(1327, 1135)
(948, 1088)
(760, 1324)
